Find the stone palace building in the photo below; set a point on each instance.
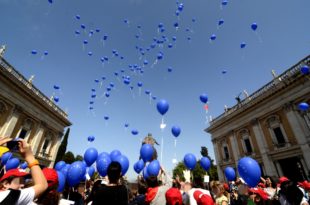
(268, 127)
(25, 112)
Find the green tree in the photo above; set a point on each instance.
(212, 172)
(197, 173)
(78, 158)
(63, 147)
(68, 157)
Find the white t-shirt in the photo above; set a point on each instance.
(191, 195)
(25, 198)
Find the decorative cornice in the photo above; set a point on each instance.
(285, 79)
(35, 92)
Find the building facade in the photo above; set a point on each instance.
(25, 112)
(269, 127)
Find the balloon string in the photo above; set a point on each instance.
(259, 37)
(162, 149)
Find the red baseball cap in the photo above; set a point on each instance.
(173, 196)
(305, 185)
(202, 199)
(15, 173)
(51, 176)
(260, 192)
(283, 179)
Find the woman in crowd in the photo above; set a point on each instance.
(220, 194)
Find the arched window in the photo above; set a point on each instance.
(225, 151)
(277, 132)
(25, 129)
(246, 142)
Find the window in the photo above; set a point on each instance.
(22, 134)
(248, 146)
(45, 146)
(277, 132)
(279, 136)
(226, 153)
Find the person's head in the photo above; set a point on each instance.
(173, 197)
(50, 196)
(13, 179)
(269, 182)
(217, 188)
(114, 172)
(152, 182)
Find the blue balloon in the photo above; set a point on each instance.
(102, 164)
(76, 173)
(224, 71)
(107, 95)
(126, 81)
(250, 171)
(90, 53)
(90, 156)
(153, 168)
(213, 37)
(190, 161)
(45, 53)
(34, 52)
(160, 56)
(134, 132)
(77, 32)
(90, 171)
(56, 87)
(254, 26)
(204, 98)
(230, 173)
(61, 181)
(59, 165)
(78, 17)
(139, 165)
(205, 163)
(24, 165)
(126, 125)
(5, 157)
(106, 117)
(221, 21)
(85, 42)
(50, 1)
(91, 138)
(12, 163)
(243, 45)
(103, 154)
(56, 99)
(147, 92)
(146, 152)
(224, 2)
(83, 26)
(135, 168)
(145, 173)
(114, 154)
(124, 162)
(162, 107)
(176, 131)
(305, 70)
(65, 169)
(303, 106)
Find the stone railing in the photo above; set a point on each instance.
(280, 81)
(43, 98)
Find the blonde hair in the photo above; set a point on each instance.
(219, 186)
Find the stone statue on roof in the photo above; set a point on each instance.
(2, 50)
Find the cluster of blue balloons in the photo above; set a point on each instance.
(9, 161)
(78, 171)
(146, 164)
(190, 162)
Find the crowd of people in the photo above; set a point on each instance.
(39, 186)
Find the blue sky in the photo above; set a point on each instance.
(197, 64)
